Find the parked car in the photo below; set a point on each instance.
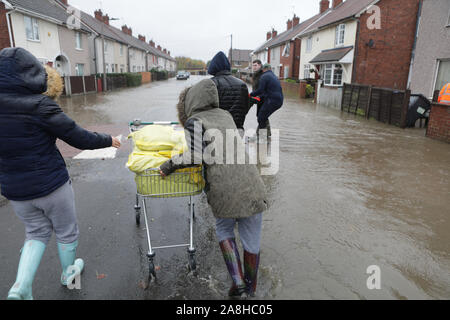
(182, 75)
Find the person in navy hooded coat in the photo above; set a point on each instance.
(33, 174)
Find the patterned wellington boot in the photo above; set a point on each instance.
(233, 261)
(71, 268)
(251, 266)
(29, 262)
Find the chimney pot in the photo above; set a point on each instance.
(324, 5)
(99, 15)
(295, 21)
(269, 35)
(289, 24)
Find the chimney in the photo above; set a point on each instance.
(152, 44)
(142, 38)
(295, 21)
(336, 3)
(64, 2)
(159, 48)
(165, 51)
(269, 35)
(106, 20)
(168, 53)
(130, 31)
(324, 5)
(274, 33)
(125, 29)
(99, 15)
(289, 24)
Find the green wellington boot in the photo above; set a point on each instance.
(67, 254)
(30, 259)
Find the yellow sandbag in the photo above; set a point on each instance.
(157, 138)
(154, 145)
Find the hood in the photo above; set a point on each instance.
(21, 72)
(219, 63)
(201, 97)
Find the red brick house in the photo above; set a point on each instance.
(5, 40)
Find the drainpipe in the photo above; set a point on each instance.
(413, 54)
(95, 54)
(8, 20)
(104, 64)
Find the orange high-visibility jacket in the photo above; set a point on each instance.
(444, 96)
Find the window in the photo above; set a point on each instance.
(340, 35)
(78, 40)
(443, 74)
(309, 44)
(287, 50)
(112, 68)
(332, 74)
(79, 69)
(134, 68)
(306, 73)
(122, 68)
(31, 28)
(107, 68)
(121, 50)
(274, 54)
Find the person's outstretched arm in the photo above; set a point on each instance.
(57, 123)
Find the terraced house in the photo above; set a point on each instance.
(41, 27)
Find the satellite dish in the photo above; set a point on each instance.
(371, 43)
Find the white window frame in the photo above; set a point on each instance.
(79, 71)
(287, 50)
(325, 68)
(306, 72)
(340, 35)
(78, 41)
(438, 67)
(309, 44)
(107, 67)
(34, 28)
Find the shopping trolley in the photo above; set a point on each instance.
(181, 183)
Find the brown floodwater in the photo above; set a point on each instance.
(350, 194)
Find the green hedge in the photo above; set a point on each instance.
(133, 79)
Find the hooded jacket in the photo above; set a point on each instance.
(233, 190)
(31, 165)
(233, 92)
(269, 89)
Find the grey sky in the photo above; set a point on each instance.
(200, 28)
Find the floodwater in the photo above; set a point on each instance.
(350, 194)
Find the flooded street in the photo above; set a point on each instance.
(349, 194)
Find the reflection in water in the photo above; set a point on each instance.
(350, 193)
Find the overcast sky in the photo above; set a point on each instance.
(200, 28)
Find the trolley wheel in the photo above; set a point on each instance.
(192, 264)
(151, 270)
(138, 216)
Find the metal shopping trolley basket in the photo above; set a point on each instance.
(182, 183)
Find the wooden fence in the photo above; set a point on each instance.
(385, 105)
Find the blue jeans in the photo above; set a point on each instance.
(266, 110)
(249, 231)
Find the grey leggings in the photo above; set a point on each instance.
(249, 231)
(55, 212)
